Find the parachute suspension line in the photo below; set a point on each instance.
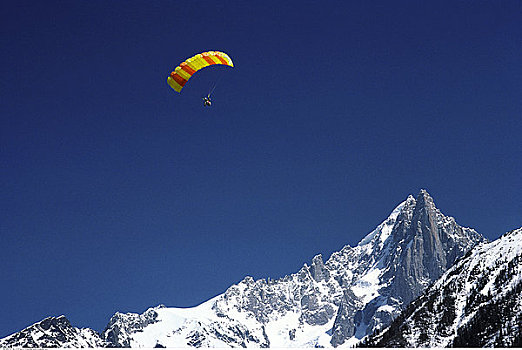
(214, 86)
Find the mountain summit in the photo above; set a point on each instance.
(357, 291)
(54, 332)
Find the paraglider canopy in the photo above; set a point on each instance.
(179, 77)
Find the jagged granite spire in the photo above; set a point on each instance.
(422, 244)
(433, 243)
(357, 291)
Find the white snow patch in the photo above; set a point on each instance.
(367, 287)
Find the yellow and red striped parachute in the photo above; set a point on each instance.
(185, 70)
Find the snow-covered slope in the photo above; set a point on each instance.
(477, 303)
(335, 303)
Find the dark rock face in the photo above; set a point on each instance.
(344, 324)
(318, 271)
(433, 243)
(231, 333)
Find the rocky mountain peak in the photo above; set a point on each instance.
(406, 253)
(425, 210)
(360, 289)
(318, 271)
(423, 197)
(53, 332)
(56, 322)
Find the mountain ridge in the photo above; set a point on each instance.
(357, 291)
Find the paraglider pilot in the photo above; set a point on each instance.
(206, 101)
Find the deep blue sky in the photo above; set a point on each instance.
(118, 194)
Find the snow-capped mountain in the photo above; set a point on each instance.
(476, 303)
(357, 291)
(54, 332)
